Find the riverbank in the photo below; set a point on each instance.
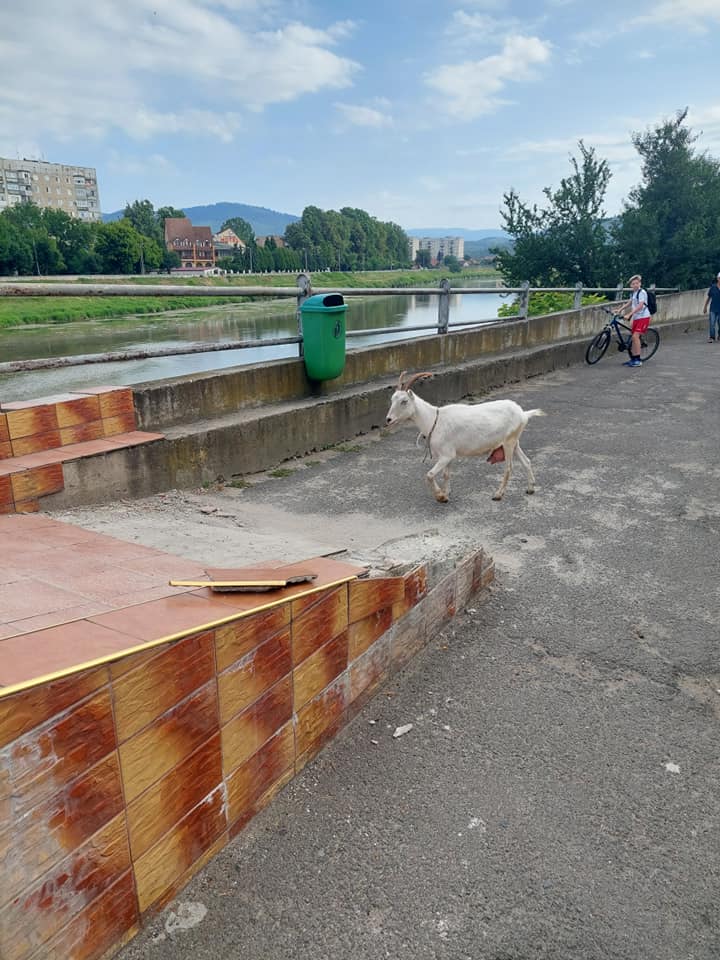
(23, 311)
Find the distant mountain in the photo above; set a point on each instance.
(264, 222)
(482, 248)
(466, 234)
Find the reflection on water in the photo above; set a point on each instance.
(210, 325)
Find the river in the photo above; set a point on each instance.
(229, 323)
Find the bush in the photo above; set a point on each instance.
(542, 303)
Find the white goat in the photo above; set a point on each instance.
(463, 430)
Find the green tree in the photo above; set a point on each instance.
(452, 263)
(75, 240)
(423, 258)
(167, 213)
(119, 247)
(16, 253)
(669, 230)
(567, 240)
(240, 227)
(141, 214)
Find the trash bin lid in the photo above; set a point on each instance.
(324, 302)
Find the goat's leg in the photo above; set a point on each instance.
(446, 481)
(508, 449)
(525, 461)
(440, 467)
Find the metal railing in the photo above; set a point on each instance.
(301, 292)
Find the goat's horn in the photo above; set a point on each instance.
(414, 377)
(400, 381)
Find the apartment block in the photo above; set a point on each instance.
(56, 186)
(438, 246)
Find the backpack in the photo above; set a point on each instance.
(651, 302)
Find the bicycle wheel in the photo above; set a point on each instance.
(597, 347)
(649, 342)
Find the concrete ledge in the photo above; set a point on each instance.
(249, 441)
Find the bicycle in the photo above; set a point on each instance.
(597, 348)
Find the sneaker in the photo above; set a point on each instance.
(633, 363)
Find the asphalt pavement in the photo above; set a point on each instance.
(559, 793)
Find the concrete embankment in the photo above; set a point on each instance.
(249, 419)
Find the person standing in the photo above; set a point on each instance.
(639, 317)
(713, 301)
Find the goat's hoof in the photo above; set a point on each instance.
(497, 496)
(530, 490)
(441, 497)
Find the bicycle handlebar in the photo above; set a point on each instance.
(611, 312)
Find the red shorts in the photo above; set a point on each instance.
(640, 324)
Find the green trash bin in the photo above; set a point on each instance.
(323, 328)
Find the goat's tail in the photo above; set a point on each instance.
(529, 414)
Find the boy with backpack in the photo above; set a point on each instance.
(639, 314)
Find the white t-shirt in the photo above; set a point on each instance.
(639, 296)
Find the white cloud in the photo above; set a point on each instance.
(692, 15)
(359, 116)
(474, 88)
(158, 66)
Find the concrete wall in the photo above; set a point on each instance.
(229, 426)
(184, 400)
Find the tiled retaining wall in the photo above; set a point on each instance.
(38, 436)
(118, 783)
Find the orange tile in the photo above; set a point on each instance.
(368, 596)
(81, 432)
(319, 670)
(31, 420)
(364, 633)
(46, 759)
(156, 811)
(118, 668)
(42, 910)
(133, 438)
(324, 620)
(5, 449)
(100, 929)
(37, 482)
(159, 684)
(157, 870)
(252, 779)
(415, 589)
(4, 432)
(77, 411)
(57, 618)
(181, 613)
(36, 402)
(113, 400)
(37, 443)
(86, 448)
(27, 506)
(27, 709)
(369, 670)
(6, 494)
(320, 720)
(245, 681)
(9, 507)
(58, 825)
(409, 636)
(119, 424)
(247, 732)
(43, 652)
(235, 640)
(168, 740)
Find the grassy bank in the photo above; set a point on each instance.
(18, 311)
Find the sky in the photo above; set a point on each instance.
(422, 113)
